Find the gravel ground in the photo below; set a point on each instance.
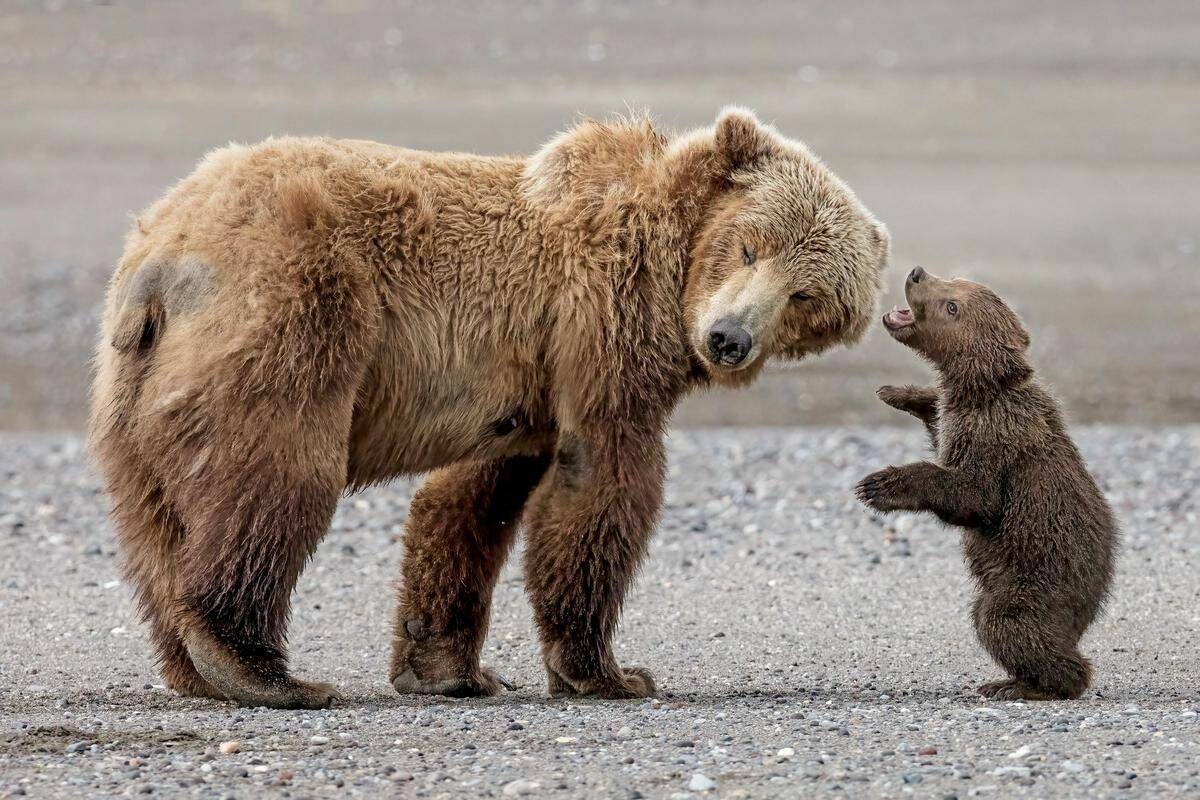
(803, 647)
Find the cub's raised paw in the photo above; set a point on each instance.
(894, 396)
(880, 490)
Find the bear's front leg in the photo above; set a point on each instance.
(459, 531)
(589, 527)
(958, 498)
(920, 401)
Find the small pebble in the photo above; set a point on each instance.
(520, 787)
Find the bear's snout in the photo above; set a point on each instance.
(728, 342)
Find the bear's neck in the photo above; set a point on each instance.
(974, 385)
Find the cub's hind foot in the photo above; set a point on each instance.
(1015, 690)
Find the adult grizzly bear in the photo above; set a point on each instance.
(307, 316)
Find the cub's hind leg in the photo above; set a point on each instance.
(1043, 661)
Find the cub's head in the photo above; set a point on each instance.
(787, 261)
(962, 328)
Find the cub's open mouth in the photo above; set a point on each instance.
(898, 318)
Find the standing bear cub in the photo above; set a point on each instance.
(1039, 534)
(307, 316)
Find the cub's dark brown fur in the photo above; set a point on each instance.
(1039, 535)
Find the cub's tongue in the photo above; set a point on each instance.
(898, 318)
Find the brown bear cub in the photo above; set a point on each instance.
(1039, 536)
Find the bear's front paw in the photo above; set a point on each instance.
(630, 684)
(883, 490)
(894, 396)
(482, 682)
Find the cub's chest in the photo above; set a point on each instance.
(956, 438)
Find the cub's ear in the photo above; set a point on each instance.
(740, 138)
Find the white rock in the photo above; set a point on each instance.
(1021, 751)
(230, 747)
(1073, 766)
(520, 787)
(786, 752)
(318, 739)
(701, 783)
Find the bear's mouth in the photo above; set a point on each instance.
(898, 319)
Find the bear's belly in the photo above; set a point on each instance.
(430, 420)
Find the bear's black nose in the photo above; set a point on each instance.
(728, 342)
(916, 275)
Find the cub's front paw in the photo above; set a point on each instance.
(894, 396)
(883, 490)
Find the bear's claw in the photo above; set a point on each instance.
(483, 683)
(634, 683)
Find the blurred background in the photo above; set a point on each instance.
(1051, 150)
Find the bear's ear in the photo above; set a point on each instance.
(881, 240)
(740, 138)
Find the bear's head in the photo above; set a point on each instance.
(786, 262)
(962, 328)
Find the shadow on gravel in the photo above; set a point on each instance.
(60, 738)
(164, 700)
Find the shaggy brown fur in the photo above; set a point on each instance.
(1039, 535)
(309, 315)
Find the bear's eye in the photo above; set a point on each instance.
(748, 256)
(800, 297)
(952, 308)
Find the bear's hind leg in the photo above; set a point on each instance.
(175, 665)
(460, 529)
(254, 517)
(150, 537)
(1042, 664)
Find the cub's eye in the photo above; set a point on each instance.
(748, 256)
(952, 308)
(800, 297)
